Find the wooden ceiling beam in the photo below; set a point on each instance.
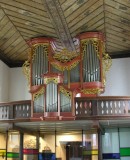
(58, 20)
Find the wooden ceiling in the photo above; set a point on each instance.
(62, 20)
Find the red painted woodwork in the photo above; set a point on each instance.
(51, 116)
(87, 35)
(35, 41)
(34, 89)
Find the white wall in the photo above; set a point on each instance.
(18, 89)
(118, 78)
(4, 82)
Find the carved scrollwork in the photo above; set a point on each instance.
(107, 62)
(92, 91)
(65, 60)
(26, 67)
(66, 92)
(38, 93)
(51, 79)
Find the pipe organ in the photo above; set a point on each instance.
(55, 79)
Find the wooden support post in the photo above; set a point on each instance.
(6, 144)
(37, 143)
(21, 146)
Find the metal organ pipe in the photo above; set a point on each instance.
(51, 103)
(39, 65)
(91, 64)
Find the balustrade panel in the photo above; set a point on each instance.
(83, 108)
(102, 106)
(113, 107)
(22, 111)
(6, 112)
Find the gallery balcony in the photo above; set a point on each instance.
(90, 108)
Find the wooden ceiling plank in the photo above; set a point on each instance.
(72, 6)
(99, 28)
(16, 42)
(117, 24)
(96, 20)
(111, 8)
(97, 9)
(116, 17)
(28, 10)
(67, 4)
(62, 1)
(35, 33)
(118, 40)
(117, 29)
(3, 22)
(20, 52)
(117, 44)
(71, 16)
(38, 1)
(12, 39)
(2, 14)
(7, 35)
(37, 30)
(33, 4)
(120, 35)
(7, 27)
(30, 24)
(33, 18)
(113, 43)
(34, 22)
(27, 36)
(111, 49)
(86, 19)
(124, 3)
(123, 6)
(96, 25)
(77, 9)
(20, 45)
(21, 56)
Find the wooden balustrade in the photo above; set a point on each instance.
(84, 108)
(15, 110)
(102, 106)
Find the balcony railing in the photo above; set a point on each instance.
(102, 106)
(99, 107)
(15, 110)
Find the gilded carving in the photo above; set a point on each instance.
(38, 93)
(26, 67)
(51, 79)
(65, 56)
(66, 67)
(92, 91)
(66, 92)
(63, 60)
(107, 62)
